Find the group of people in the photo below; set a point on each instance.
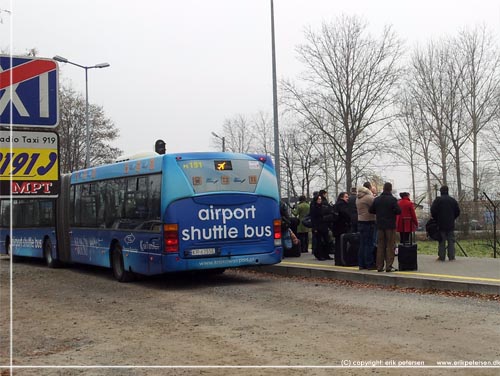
(377, 218)
(326, 219)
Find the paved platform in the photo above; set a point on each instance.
(470, 274)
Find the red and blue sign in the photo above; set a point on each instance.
(28, 92)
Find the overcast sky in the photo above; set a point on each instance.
(180, 68)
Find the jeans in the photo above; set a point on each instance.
(449, 237)
(365, 254)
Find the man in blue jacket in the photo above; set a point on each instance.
(386, 208)
(445, 211)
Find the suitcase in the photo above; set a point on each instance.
(349, 246)
(295, 251)
(407, 254)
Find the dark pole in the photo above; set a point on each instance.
(275, 105)
(494, 225)
(87, 124)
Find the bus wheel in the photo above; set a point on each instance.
(47, 254)
(119, 271)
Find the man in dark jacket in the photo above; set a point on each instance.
(386, 208)
(353, 210)
(342, 223)
(445, 210)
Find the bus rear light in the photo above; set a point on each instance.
(171, 237)
(277, 232)
(262, 159)
(277, 229)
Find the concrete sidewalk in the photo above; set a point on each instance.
(479, 275)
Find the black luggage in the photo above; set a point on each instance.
(349, 246)
(407, 254)
(295, 251)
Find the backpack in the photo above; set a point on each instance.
(432, 229)
(331, 214)
(307, 222)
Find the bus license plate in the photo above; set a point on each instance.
(203, 252)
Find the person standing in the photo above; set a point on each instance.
(366, 227)
(301, 211)
(353, 210)
(386, 208)
(445, 211)
(407, 222)
(320, 229)
(342, 224)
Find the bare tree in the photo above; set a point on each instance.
(304, 157)
(480, 90)
(433, 90)
(491, 141)
(264, 133)
(350, 77)
(405, 134)
(72, 133)
(238, 135)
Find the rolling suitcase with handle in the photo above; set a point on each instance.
(407, 254)
(349, 246)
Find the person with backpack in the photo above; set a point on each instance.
(301, 211)
(445, 211)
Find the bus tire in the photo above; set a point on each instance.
(119, 272)
(47, 254)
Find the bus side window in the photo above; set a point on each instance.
(107, 197)
(154, 196)
(85, 205)
(4, 213)
(46, 213)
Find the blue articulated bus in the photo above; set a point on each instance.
(160, 214)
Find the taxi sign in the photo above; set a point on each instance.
(28, 92)
(29, 164)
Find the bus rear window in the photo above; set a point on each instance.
(222, 175)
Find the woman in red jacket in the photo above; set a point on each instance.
(406, 222)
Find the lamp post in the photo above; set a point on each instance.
(223, 139)
(87, 125)
(275, 105)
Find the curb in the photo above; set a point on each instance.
(397, 279)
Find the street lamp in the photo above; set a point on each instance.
(223, 139)
(275, 105)
(87, 137)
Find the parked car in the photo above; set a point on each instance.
(421, 224)
(475, 225)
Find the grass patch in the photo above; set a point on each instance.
(473, 247)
